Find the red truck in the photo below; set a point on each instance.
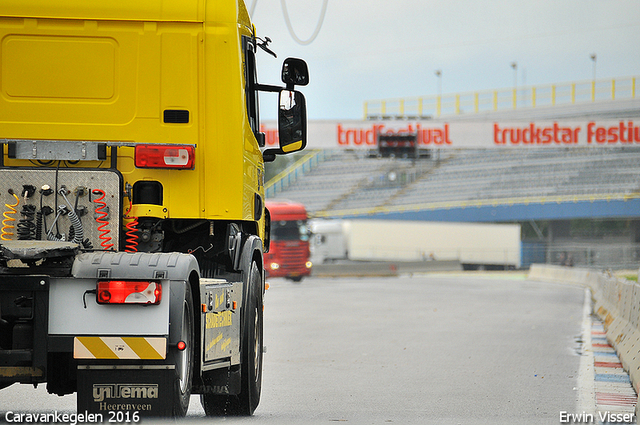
(288, 254)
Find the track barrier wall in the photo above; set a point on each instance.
(383, 268)
(616, 301)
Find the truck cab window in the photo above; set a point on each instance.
(251, 93)
(289, 231)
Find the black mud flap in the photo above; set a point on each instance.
(125, 393)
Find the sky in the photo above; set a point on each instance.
(382, 49)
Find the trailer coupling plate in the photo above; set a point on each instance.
(119, 348)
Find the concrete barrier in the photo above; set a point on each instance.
(563, 275)
(616, 302)
(383, 268)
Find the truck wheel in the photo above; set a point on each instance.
(252, 346)
(183, 359)
(247, 401)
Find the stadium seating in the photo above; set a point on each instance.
(362, 182)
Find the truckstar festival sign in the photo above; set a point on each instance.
(459, 134)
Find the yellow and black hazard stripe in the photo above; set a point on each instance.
(119, 348)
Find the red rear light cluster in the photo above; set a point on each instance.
(128, 292)
(165, 156)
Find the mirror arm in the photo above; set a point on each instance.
(269, 88)
(269, 155)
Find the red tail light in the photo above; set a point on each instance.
(129, 292)
(164, 156)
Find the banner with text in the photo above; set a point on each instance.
(460, 134)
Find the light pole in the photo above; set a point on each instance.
(593, 81)
(439, 99)
(514, 65)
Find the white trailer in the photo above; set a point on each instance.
(475, 245)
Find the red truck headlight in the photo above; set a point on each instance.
(128, 292)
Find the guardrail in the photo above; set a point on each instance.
(293, 172)
(501, 99)
(617, 303)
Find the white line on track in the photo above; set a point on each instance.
(586, 373)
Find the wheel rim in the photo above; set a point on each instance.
(182, 361)
(257, 349)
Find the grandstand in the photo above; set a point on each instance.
(559, 194)
(343, 182)
(534, 187)
(355, 183)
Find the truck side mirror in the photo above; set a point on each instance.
(292, 109)
(295, 72)
(292, 121)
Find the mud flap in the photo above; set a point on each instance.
(108, 391)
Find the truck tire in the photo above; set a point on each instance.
(252, 347)
(245, 403)
(183, 360)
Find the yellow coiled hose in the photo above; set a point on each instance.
(6, 223)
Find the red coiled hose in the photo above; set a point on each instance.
(104, 232)
(132, 237)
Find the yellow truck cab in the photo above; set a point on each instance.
(132, 176)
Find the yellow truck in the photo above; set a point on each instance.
(131, 184)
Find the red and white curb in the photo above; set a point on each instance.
(605, 393)
(614, 393)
